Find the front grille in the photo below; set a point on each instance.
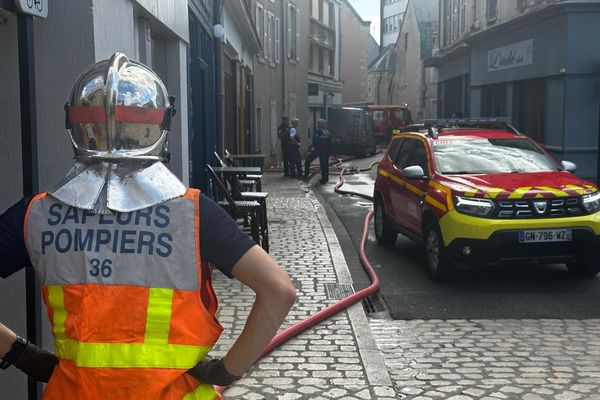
(539, 208)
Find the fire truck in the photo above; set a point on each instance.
(389, 118)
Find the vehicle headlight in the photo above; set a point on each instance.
(473, 206)
(591, 202)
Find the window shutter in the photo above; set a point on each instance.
(277, 39)
(257, 20)
(269, 36)
(297, 38)
(265, 37)
(289, 30)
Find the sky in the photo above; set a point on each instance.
(369, 11)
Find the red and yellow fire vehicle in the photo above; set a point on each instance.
(389, 118)
(476, 192)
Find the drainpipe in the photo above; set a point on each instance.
(379, 87)
(217, 15)
(282, 55)
(29, 149)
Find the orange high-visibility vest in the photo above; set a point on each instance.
(130, 301)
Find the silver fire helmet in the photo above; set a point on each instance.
(118, 120)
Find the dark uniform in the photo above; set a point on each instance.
(283, 133)
(322, 149)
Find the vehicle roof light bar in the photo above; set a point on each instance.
(488, 122)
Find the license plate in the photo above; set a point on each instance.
(546, 235)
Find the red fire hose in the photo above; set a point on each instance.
(335, 308)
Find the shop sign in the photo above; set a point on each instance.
(511, 56)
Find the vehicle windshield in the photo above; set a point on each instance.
(489, 156)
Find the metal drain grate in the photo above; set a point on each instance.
(374, 304)
(338, 291)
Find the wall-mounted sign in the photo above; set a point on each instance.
(37, 8)
(511, 56)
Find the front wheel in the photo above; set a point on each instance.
(384, 233)
(439, 265)
(587, 269)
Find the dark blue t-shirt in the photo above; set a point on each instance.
(222, 243)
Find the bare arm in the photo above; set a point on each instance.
(275, 296)
(7, 338)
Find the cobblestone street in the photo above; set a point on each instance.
(501, 359)
(351, 357)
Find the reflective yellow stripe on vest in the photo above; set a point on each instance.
(158, 318)
(155, 352)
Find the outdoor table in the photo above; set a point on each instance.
(240, 172)
(249, 160)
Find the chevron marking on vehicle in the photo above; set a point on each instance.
(577, 189)
(400, 181)
(471, 193)
(414, 189)
(446, 190)
(493, 192)
(391, 177)
(556, 192)
(435, 203)
(518, 193)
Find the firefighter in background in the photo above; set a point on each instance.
(321, 148)
(122, 250)
(283, 133)
(294, 151)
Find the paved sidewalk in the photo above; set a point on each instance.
(338, 358)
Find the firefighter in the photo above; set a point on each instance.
(122, 250)
(321, 148)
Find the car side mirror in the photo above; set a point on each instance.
(414, 172)
(568, 166)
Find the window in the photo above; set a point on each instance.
(277, 39)
(314, 8)
(419, 157)
(270, 38)
(259, 21)
(405, 41)
(463, 16)
(402, 159)
(331, 15)
(454, 20)
(293, 18)
(322, 60)
(392, 24)
(324, 12)
(492, 9)
(447, 21)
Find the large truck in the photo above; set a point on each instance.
(388, 119)
(352, 131)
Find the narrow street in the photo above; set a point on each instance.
(516, 291)
(518, 332)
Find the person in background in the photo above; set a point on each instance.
(294, 148)
(321, 148)
(283, 133)
(124, 252)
